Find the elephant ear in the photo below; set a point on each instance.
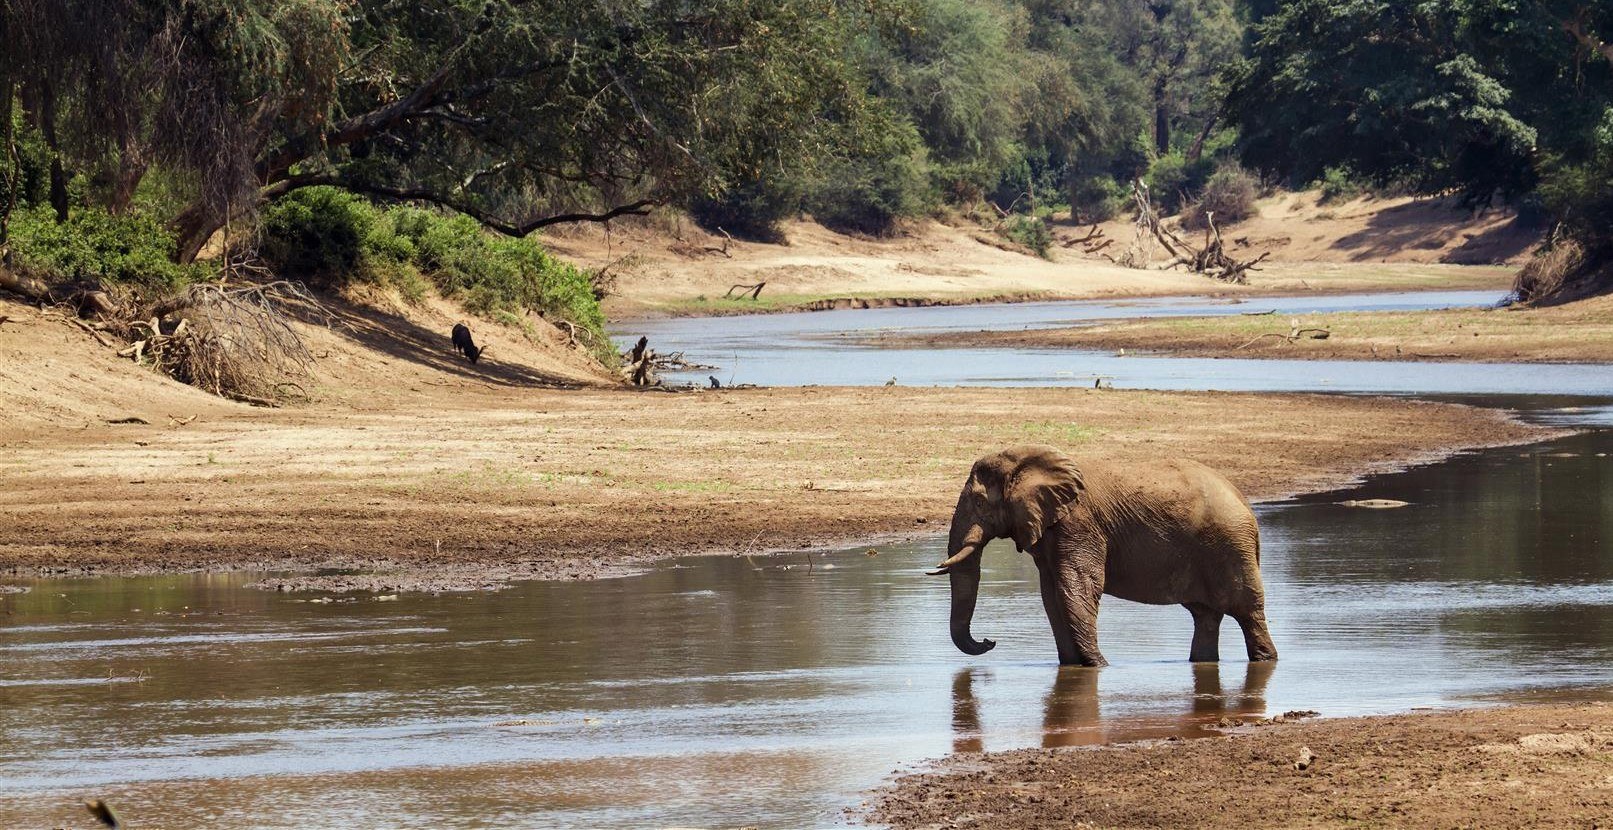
(1044, 483)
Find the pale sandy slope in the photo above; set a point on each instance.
(665, 264)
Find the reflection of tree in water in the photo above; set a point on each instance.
(1073, 714)
(1541, 515)
(1529, 525)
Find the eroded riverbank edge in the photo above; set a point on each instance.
(1509, 766)
(625, 313)
(1577, 332)
(476, 488)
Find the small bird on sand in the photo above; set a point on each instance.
(891, 382)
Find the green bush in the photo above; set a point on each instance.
(1173, 181)
(872, 195)
(1032, 232)
(133, 249)
(332, 237)
(317, 234)
(752, 211)
(1338, 185)
(1096, 199)
(1230, 194)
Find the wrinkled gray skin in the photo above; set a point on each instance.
(1165, 533)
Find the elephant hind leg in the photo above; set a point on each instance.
(1255, 636)
(1206, 633)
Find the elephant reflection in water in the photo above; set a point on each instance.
(1072, 716)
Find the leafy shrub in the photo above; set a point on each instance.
(1230, 194)
(317, 234)
(1096, 199)
(1173, 181)
(1030, 231)
(1338, 185)
(752, 211)
(871, 195)
(333, 237)
(133, 249)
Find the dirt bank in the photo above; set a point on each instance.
(666, 265)
(1523, 766)
(469, 485)
(1580, 332)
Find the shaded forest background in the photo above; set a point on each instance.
(423, 144)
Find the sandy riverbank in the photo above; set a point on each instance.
(1580, 332)
(468, 486)
(1514, 767)
(665, 265)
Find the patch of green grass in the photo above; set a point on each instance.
(1057, 432)
(692, 487)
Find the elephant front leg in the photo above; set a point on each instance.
(1206, 633)
(1070, 598)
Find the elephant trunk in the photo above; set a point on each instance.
(965, 590)
(963, 567)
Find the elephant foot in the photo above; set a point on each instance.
(1256, 638)
(1094, 661)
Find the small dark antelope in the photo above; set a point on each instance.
(464, 345)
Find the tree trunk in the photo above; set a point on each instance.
(1162, 117)
(192, 228)
(1195, 152)
(8, 148)
(58, 174)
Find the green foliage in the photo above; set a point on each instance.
(1485, 97)
(317, 234)
(331, 237)
(872, 195)
(952, 71)
(1339, 185)
(1096, 199)
(1173, 181)
(132, 250)
(751, 212)
(1030, 231)
(1229, 194)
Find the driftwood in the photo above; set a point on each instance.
(1211, 259)
(638, 364)
(726, 241)
(1094, 241)
(1294, 335)
(755, 291)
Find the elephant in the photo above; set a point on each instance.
(1164, 533)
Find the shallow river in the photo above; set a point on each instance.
(776, 691)
(833, 348)
(761, 691)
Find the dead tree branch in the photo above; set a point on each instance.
(1211, 259)
(755, 291)
(1294, 335)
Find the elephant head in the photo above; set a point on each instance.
(1017, 493)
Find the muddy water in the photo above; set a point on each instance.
(770, 691)
(834, 348)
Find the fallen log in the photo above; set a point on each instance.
(755, 291)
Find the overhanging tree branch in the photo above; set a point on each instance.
(489, 220)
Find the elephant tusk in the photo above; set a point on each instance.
(944, 567)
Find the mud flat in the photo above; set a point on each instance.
(468, 486)
(1580, 332)
(1519, 766)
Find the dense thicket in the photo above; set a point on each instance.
(1489, 98)
(194, 115)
